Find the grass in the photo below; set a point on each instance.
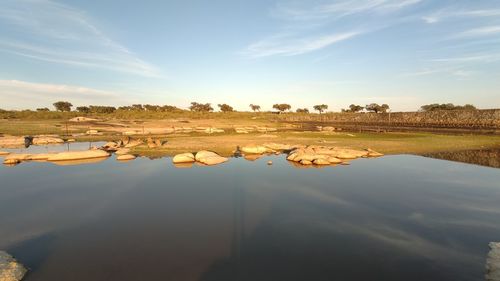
(387, 143)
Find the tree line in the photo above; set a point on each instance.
(64, 106)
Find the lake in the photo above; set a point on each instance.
(398, 217)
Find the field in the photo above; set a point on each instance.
(225, 143)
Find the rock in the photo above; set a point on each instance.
(125, 157)
(321, 161)
(82, 119)
(306, 162)
(125, 140)
(78, 155)
(122, 151)
(372, 153)
(334, 160)
(134, 143)
(4, 153)
(130, 133)
(183, 158)
(11, 162)
(493, 262)
(269, 162)
(10, 269)
(18, 156)
(209, 158)
(41, 140)
(92, 132)
(255, 149)
(12, 141)
(279, 146)
(71, 140)
(40, 157)
(241, 131)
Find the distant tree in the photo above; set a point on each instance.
(102, 109)
(125, 108)
(43, 109)
(255, 107)
(137, 107)
(320, 108)
(169, 108)
(63, 106)
(201, 107)
(282, 107)
(83, 109)
(355, 108)
(374, 107)
(302, 110)
(225, 107)
(446, 106)
(150, 107)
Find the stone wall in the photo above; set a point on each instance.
(468, 119)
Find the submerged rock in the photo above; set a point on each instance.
(183, 158)
(10, 269)
(493, 262)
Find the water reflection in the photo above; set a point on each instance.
(391, 218)
(483, 157)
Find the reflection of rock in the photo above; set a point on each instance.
(183, 165)
(252, 157)
(78, 162)
(10, 269)
(183, 158)
(493, 263)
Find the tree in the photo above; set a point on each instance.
(150, 107)
(355, 108)
(255, 107)
(446, 106)
(282, 107)
(101, 109)
(168, 108)
(63, 106)
(137, 107)
(320, 108)
(225, 107)
(83, 109)
(302, 110)
(374, 107)
(43, 109)
(200, 107)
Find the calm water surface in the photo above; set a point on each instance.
(391, 218)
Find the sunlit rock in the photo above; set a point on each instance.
(125, 157)
(42, 140)
(255, 149)
(122, 151)
(10, 269)
(209, 158)
(78, 155)
(183, 158)
(12, 141)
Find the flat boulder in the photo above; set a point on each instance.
(334, 160)
(11, 161)
(122, 151)
(321, 161)
(78, 155)
(183, 158)
(12, 141)
(41, 140)
(10, 269)
(255, 149)
(18, 156)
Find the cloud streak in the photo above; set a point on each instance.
(49, 31)
(304, 29)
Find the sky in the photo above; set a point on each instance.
(405, 53)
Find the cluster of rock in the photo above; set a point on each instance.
(172, 130)
(246, 130)
(10, 269)
(309, 155)
(204, 157)
(493, 262)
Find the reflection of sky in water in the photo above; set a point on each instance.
(392, 218)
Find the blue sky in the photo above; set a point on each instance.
(402, 52)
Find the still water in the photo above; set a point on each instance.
(391, 218)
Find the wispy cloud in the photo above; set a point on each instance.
(479, 32)
(295, 46)
(41, 94)
(49, 31)
(449, 14)
(304, 28)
